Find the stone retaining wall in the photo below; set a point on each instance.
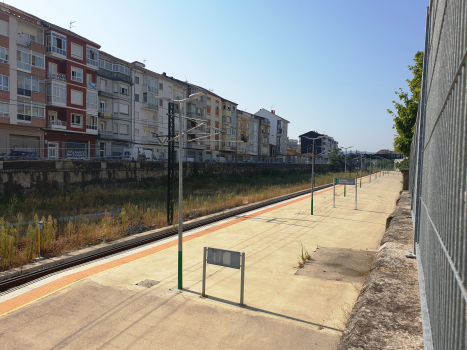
(29, 175)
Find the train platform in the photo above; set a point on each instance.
(131, 301)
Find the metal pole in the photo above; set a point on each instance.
(312, 175)
(180, 198)
(345, 169)
(203, 292)
(242, 283)
(39, 243)
(333, 192)
(356, 194)
(361, 166)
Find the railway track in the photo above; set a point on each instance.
(16, 282)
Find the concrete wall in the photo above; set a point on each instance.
(51, 175)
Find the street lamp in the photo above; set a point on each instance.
(345, 165)
(313, 167)
(180, 183)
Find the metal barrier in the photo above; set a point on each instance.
(438, 165)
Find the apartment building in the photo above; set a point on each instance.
(278, 132)
(229, 129)
(22, 81)
(72, 110)
(64, 97)
(213, 103)
(114, 85)
(323, 146)
(264, 126)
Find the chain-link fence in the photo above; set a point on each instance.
(438, 165)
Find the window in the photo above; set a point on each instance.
(124, 89)
(91, 100)
(115, 107)
(3, 28)
(217, 106)
(77, 74)
(223, 106)
(136, 97)
(56, 43)
(3, 55)
(92, 56)
(89, 78)
(28, 109)
(115, 128)
(3, 82)
(4, 110)
(124, 109)
(23, 57)
(119, 68)
(161, 86)
(152, 84)
(76, 97)
(228, 119)
(116, 87)
(38, 85)
(56, 93)
(105, 65)
(123, 129)
(137, 115)
(136, 80)
(38, 60)
(228, 107)
(161, 103)
(76, 120)
(209, 103)
(233, 109)
(76, 51)
(136, 132)
(23, 85)
(102, 105)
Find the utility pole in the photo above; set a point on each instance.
(170, 163)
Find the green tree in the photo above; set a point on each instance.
(336, 158)
(406, 111)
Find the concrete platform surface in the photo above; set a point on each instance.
(101, 305)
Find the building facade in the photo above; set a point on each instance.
(278, 132)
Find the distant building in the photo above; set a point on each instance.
(324, 145)
(385, 153)
(278, 132)
(292, 143)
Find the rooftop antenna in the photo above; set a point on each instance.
(71, 24)
(144, 62)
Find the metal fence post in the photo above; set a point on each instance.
(333, 192)
(356, 194)
(203, 291)
(242, 283)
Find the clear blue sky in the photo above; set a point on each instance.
(329, 66)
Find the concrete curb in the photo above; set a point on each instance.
(140, 237)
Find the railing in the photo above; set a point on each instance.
(105, 111)
(26, 41)
(438, 188)
(56, 100)
(91, 128)
(105, 89)
(56, 124)
(56, 76)
(150, 139)
(105, 132)
(150, 123)
(153, 106)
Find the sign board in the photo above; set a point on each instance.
(345, 182)
(226, 258)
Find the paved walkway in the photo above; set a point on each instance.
(99, 305)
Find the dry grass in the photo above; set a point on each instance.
(19, 244)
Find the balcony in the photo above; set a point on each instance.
(150, 123)
(151, 106)
(105, 113)
(195, 145)
(56, 76)
(114, 75)
(106, 134)
(150, 139)
(92, 129)
(56, 124)
(105, 91)
(56, 100)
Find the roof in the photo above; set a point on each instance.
(114, 58)
(275, 115)
(46, 24)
